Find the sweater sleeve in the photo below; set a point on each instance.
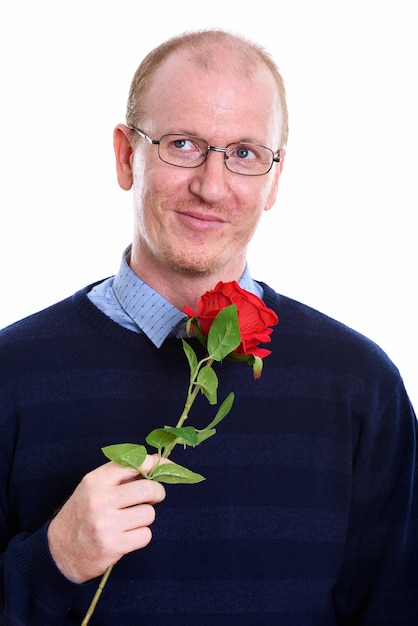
(378, 582)
(33, 590)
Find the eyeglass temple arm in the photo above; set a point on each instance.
(144, 136)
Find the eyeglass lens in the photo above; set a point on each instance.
(241, 158)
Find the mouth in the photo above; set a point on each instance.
(200, 220)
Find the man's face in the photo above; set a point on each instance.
(199, 221)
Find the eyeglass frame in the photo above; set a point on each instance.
(156, 142)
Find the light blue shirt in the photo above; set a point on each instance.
(133, 304)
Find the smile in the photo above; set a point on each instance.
(201, 221)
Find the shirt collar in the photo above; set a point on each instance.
(152, 313)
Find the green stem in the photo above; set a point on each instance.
(97, 595)
(193, 391)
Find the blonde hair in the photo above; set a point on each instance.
(204, 44)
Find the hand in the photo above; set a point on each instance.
(107, 516)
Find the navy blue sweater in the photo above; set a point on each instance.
(308, 515)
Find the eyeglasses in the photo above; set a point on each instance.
(247, 159)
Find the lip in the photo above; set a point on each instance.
(202, 221)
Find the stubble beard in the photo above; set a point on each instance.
(193, 267)
(195, 262)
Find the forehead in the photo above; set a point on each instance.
(223, 96)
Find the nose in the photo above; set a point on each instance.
(210, 180)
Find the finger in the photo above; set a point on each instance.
(138, 516)
(137, 492)
(132, 540)
(151, 461)
(115, 474)
(111, 473)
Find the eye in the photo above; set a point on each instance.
(182, 150)
(243, 152)
(184, 144)
(179, 144)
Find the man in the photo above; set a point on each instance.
(308, 514)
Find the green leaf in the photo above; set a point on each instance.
(126, 454)
(208, 383)
(189, 323)
(175, 474)
(135, 458)
(191, 356)
(204, 434)
(185, 434)
(224, 334)
(257, 367)
(223, 410)
(255, 361)
(192, 321)
(248, 358)
(159, 438)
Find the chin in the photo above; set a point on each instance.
(201, 266)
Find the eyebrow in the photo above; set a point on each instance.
(193, 134)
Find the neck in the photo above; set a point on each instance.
(180, 288)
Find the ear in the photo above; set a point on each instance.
(274, 187)
(123, 152)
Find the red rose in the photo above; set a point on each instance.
(254, 317)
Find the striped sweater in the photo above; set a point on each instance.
(308, 514)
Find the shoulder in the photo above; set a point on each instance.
(64, 323)
(51, 320)
(317, 357)
(68, 330)
(322, 341)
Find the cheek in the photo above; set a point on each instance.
(251, 224)
(251, 200)
(255, 192)
(249, 213)
(149, 172)
(163, 179)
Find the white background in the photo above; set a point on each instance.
(342, 236)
